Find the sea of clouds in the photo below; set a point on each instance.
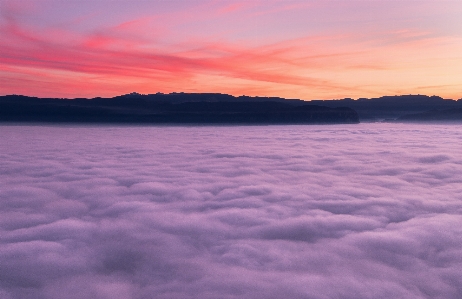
(340, 211)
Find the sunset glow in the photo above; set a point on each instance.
(293, 49)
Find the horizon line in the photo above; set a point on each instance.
(133, 94)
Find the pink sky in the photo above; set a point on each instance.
(293, 49)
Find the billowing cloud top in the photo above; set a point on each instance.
(364, 211)
(295, 49)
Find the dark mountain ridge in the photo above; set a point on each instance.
(172, 108)
(434, 115)
(392, 107)
(223, 108)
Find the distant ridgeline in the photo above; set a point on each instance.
(222, 108)
(401, 108)
(172, 108)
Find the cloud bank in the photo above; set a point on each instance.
(363, 211)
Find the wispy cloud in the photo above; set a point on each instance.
(179, 49)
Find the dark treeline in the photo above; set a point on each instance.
(172, 108)
(222, 108)
(399, 108)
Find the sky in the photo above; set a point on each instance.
(231, 212)
(294, 49)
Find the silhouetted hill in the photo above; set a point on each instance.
(172, 108)
(392, 107)
(446, 115)
(223, 108)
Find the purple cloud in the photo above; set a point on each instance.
(363, 211)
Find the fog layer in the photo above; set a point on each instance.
(357, 211)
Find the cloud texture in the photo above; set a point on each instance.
(360, 211)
